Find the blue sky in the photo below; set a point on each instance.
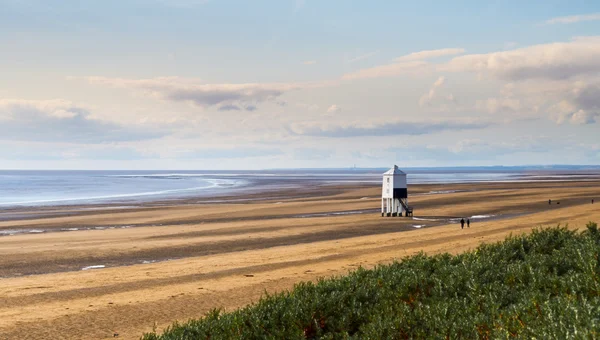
(212, 84)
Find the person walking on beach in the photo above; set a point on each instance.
(549, 202)
(462, 223)
(468, 223)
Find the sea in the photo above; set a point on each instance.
(19, 188)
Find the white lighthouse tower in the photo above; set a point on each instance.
(394, 194)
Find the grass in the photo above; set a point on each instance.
(543, 285)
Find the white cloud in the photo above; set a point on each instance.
(407, 64)
(223, 153)
(27, 150)
(56, 108)
(333, 109)
(390, 70)
(582, 117)
(564, 101)
(559, 79)
(204, 95)
(481, 149)
(560, 60)
(433, 95)
(429, 54)
(362, 57)
(310, 107)
(384, 128)
(574, 18)
(221, 96)
(496, 105)
(467, 145)
(579, 106)
(60, 120)
(439, 82)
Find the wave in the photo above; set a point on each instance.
(213, 184)
(443, 192)
(336, 213)
(481, 216)
(180, 176)
(249, 174)
(10, 232)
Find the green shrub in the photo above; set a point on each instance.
(543, 285)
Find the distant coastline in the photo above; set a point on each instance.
(554, 167)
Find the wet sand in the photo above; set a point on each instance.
(170, 261)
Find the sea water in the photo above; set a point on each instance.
(35, 188)
(30, 188)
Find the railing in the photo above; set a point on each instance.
(407, 208)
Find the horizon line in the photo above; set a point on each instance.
(538, 166)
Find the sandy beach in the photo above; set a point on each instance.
(74, 273)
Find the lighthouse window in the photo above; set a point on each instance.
(388, 180)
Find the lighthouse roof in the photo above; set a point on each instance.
(394, 171)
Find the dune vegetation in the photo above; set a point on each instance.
(545, 285)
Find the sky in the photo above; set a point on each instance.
(219, 84)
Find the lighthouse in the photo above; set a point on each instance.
(394, 194)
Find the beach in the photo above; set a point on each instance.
(90, 272)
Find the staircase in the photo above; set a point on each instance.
(407, 208)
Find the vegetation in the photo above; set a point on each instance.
(543, 285)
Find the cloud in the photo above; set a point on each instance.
(390, 70)
(429, 54)
(561, 79)
(561, 60)
(392, 128)
(439, 82)
(473, 150)
(406, 64)
(229, 107)
(310, 107)
(220, 153)
(23, 150)
(467, 145)
(482, 148)
(333, 109)
(61, 121)
(310, 62)
(573, 19)
(582, 105)
(555, 61)
(203, 95)
(312, 153)
(433, 96)
(587, 97)
(563, 101)
(496, 105)
(583, 117)
(362, 57)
